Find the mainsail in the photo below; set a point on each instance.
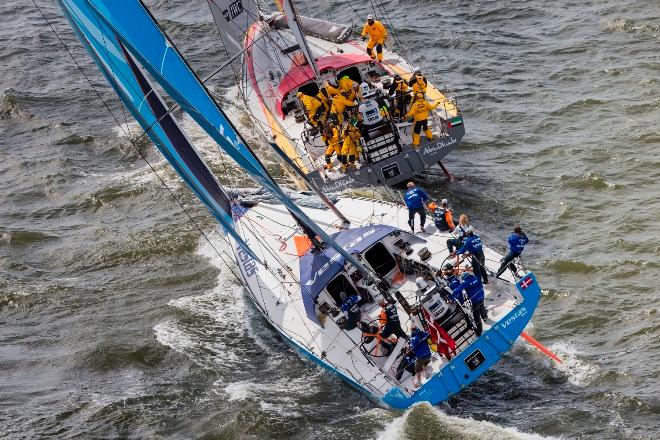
(147, 107)
(132, 24)
(289, 10)
(233, 18)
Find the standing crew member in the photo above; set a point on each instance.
(474, 291)
(459, 232)
(399, 91)
(420, 347)
(389, 321)
(419, 111)
(351, 308)
(332, 138)
(418, 82)
(349, 149)
(415, 199)
(472, 244)
(517, 242)
(442, 216)
(449, 275)
(314, 108)
(347, 87)
(377, 36)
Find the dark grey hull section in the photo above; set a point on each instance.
(396, 169)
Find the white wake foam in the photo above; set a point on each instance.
(424, 417)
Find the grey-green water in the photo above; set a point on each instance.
(117, 322)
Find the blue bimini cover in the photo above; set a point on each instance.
(318, 269)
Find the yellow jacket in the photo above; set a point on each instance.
(334, 142)
(419, 86)
(351, 142)
(329, 90)
(419, 110)
(311, 104)
(375, 31)
(339, 103)
(346, 84)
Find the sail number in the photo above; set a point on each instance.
(248, 263)
(234, 10)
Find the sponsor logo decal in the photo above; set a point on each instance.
(248, 263)
(234, 10)
(520, 313)
(338, 184)
(438, 146)
(336, 257)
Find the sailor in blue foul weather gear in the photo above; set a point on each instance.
(474, 291)
(452, 282)
(472, 244)
(420, 347)
(407, 364)
(517, 242)
(351, 309)
(415, 199)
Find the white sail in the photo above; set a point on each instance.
(289, 11)
(233, 18)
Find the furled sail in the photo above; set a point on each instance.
(289, 10)
(131, 23)
(233, 18)
(147, 107)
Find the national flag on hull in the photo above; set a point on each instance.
(453, 122)
(526, 282)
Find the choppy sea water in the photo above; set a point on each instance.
(119, 321)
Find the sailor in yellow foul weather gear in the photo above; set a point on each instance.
(377, 36)
(332, 138)
(339, 104)
(419, 111)
(350, 148)
(347, 87)
(314, 107)
(330, 90)
(418, 82)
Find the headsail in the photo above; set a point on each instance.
(138, 31)
(233, 18)
(147, 107)
(289, 10)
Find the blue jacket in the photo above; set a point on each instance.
(415, 198)
(453, 282)
(517, 243)
(419, 345)
(350, 305)
(472, 244)
(473, 288)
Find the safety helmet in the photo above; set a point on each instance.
(370, 17)
(421, 283)
(432, 206)
(364, 88)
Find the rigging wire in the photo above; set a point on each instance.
(133, 143)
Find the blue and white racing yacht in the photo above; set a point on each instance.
(299, 263)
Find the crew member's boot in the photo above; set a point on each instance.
(429, 134)
(415, 141)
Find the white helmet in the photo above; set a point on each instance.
(421, 283)
(370, 17)
(364, 89)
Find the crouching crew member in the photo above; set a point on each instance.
(517, 242)
(419, 111)
(377, 36)
(474, 291)
(350, 147)
(420, 347)
(442, 216)
(415, 199)
(314, 108)
(332, 138)
(339, 104)
(460, 233)
(472, 244)
(389, 321)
